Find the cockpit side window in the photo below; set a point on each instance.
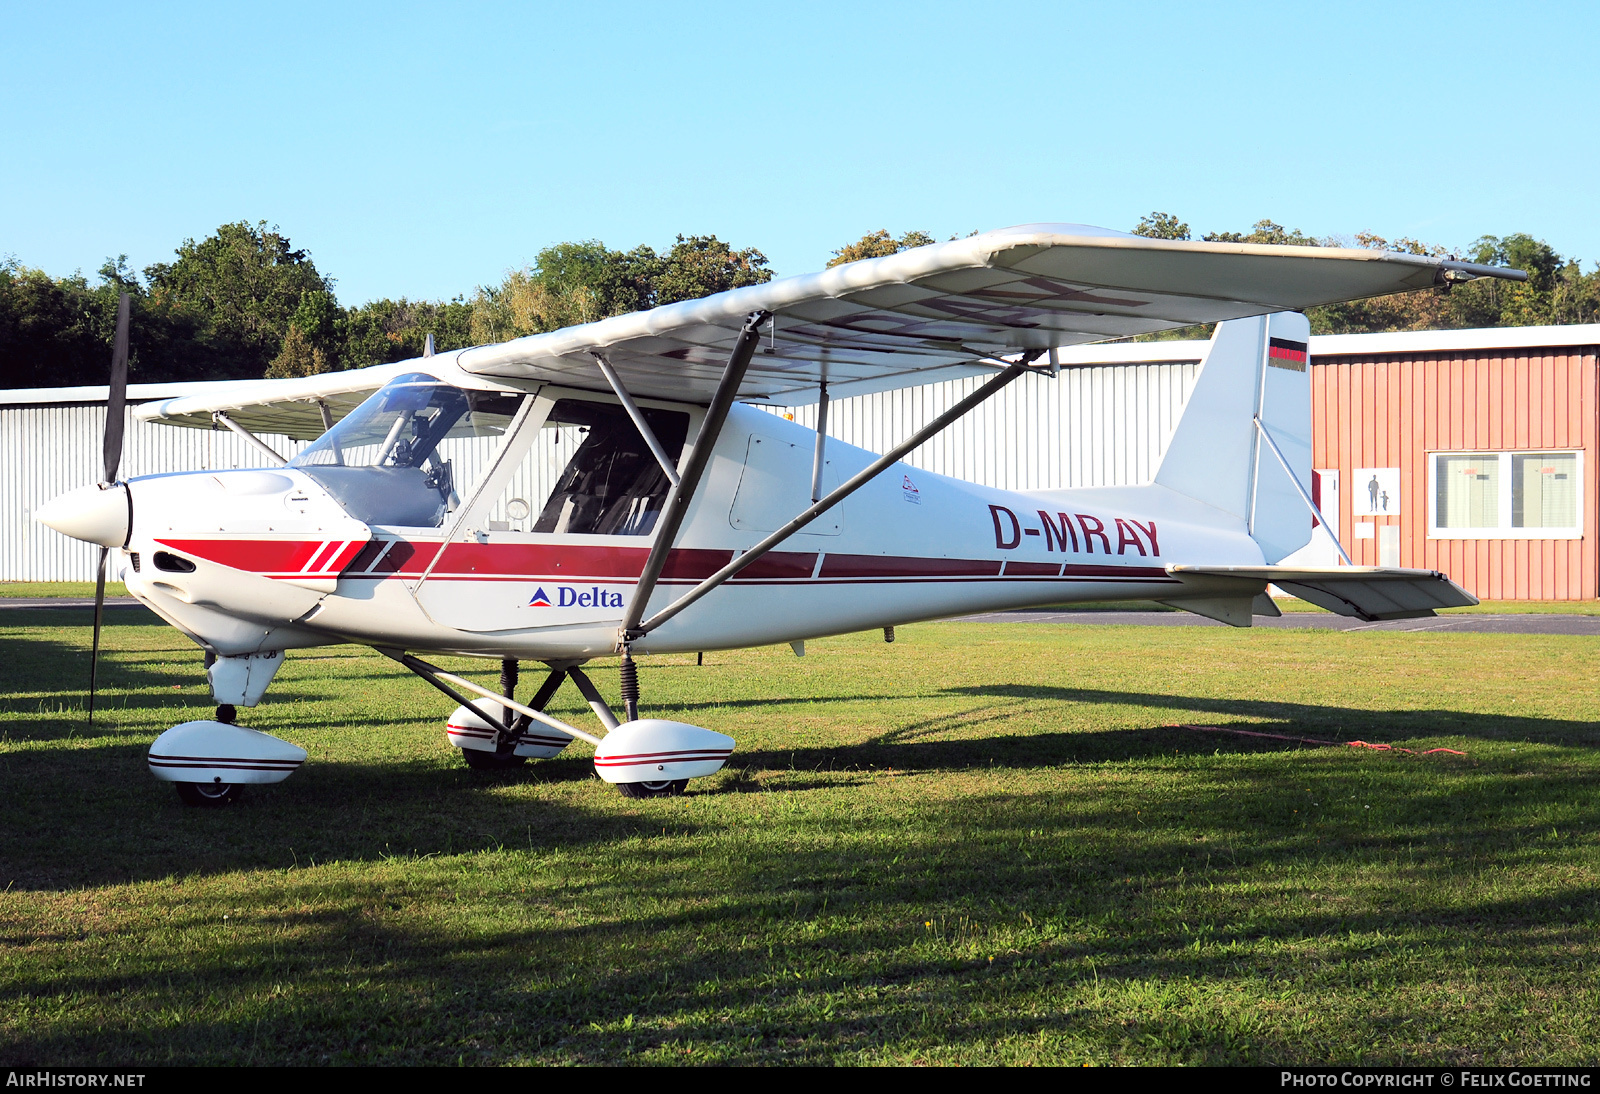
(590, 472)
(407, 455)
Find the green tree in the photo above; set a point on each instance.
(526, 303)
(1161, 226)
(299, 356)
(383, 331)
(237, 291)
(1265, 231)
(698, 266)
(311, 343)
(571, 283)
(48, 330)
(879, 244)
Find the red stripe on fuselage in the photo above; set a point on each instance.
(262, 556)
(896, 566)
(549, 562)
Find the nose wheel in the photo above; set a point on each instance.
(212, 795)
(216, 793)
(665, 788)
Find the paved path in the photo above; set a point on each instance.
(1472, 624)
(65, 602)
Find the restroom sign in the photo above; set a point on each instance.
(1375, 492)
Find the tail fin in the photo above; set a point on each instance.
(1256, 367)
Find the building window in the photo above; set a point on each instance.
(1506, 495)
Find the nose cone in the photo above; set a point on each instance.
(95, 514)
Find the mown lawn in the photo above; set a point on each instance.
(980, 844)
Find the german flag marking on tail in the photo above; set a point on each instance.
(1282, 353)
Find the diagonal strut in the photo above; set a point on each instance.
(888, 459)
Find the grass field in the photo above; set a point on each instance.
(980, 844)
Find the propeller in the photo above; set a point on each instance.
(116, 401)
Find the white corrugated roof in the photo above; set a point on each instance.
(1455, 341)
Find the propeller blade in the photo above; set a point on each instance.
(99, 608)
(116, 400)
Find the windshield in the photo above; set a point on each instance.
(406, 455)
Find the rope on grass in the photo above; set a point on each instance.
(1311, 740)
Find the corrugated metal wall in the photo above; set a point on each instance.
(1391, 411)
(48, 450)
(1099, 425)
(1094, 425)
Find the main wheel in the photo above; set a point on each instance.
(666, 788)
(500, 759)
(209, 795)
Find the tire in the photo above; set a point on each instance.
(502, 759)
(666, 788)
(209, 795)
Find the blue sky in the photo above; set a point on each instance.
(421, 150)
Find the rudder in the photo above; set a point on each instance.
(1255, 367)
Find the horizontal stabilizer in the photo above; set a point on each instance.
(1364, 592)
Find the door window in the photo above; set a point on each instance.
(589, 471)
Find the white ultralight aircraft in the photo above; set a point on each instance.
(607, 490)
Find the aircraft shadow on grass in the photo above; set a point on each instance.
(126, 826)
(928, 744)
(851, 918)
(825, 945)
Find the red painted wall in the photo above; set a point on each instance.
(1393, 410)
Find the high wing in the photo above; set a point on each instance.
(934, 312)
(290, 407)
(925, 315)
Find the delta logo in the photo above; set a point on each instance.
(569, 597)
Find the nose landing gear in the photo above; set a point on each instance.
(666, 788)
(210, 762)
(216, 793)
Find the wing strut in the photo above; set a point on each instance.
(677, 506)
(638, 417)
(256, 442)
(820, 456)
(888, 459)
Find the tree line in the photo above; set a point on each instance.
(244, 302)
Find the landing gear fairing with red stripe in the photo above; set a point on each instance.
(623, 488)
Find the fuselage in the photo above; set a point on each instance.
(247, 561)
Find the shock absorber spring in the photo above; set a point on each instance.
(630, 685)
(508, 688)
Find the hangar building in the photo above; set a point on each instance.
(1470, 451)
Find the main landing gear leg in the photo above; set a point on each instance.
(661, 788)
(504, 755)
(513, 724)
